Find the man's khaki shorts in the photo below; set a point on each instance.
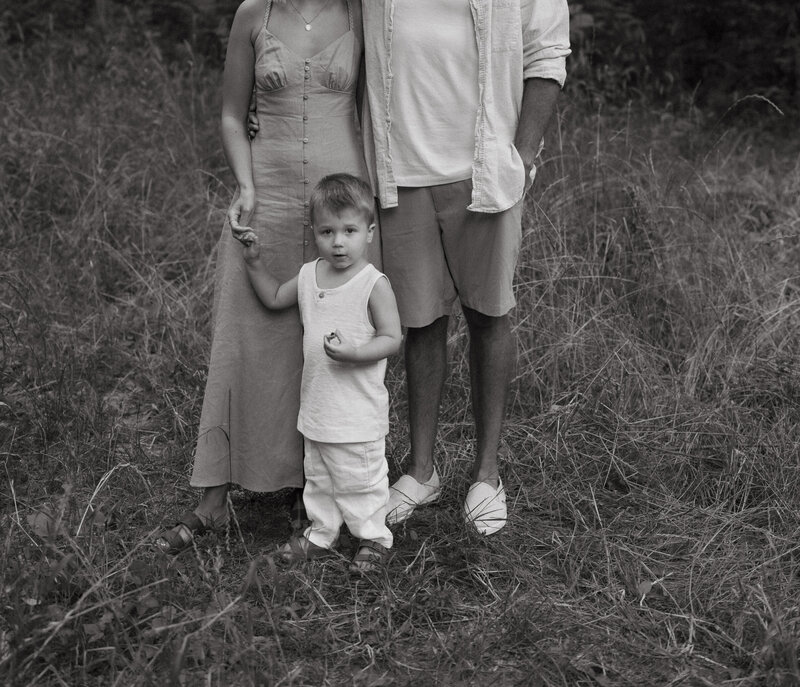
(436, 251)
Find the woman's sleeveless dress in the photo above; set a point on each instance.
(308, 128)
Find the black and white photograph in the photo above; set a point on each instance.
(399, 343)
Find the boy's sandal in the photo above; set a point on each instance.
(171, 542)
(370, 556)
(301, 549)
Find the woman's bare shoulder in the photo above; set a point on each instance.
(249, 17)
(251, 11)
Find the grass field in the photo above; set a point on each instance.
(650, 454)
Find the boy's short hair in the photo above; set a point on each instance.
(339, 192)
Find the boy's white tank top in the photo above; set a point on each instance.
(339, 402)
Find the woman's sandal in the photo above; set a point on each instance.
(171, 542)
(370, 556)
(299, 549)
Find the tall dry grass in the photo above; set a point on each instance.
(650, 452)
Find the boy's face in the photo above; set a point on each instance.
(342, 239)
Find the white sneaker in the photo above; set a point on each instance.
(406, 494)
(485, 507)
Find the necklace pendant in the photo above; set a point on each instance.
(308, 27)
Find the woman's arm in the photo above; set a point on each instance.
(237, 86)
(388, 335)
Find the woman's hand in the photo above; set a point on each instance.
(241, 212)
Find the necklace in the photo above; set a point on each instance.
(308, 21)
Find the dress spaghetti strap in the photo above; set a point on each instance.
(267, 10)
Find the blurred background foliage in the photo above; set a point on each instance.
(714, 53)
(718, 51)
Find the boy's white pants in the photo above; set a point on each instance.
(346, 483)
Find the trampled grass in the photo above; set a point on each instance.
(650, 452)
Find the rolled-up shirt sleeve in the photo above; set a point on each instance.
(545, 38)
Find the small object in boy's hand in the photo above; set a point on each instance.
(331, 337)
(248, 238)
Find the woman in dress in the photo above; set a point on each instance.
(303, 58)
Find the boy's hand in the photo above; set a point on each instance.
(252, 249)
(338, 348)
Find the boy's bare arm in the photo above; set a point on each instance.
(385, 319)
(270, 291)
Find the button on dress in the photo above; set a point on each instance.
(308, 128)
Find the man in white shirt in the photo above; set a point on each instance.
(460, 93)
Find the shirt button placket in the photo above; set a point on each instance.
(307, 232)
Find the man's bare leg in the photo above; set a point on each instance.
(426, 371)
(491, 360)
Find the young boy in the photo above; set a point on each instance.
(350, 325)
